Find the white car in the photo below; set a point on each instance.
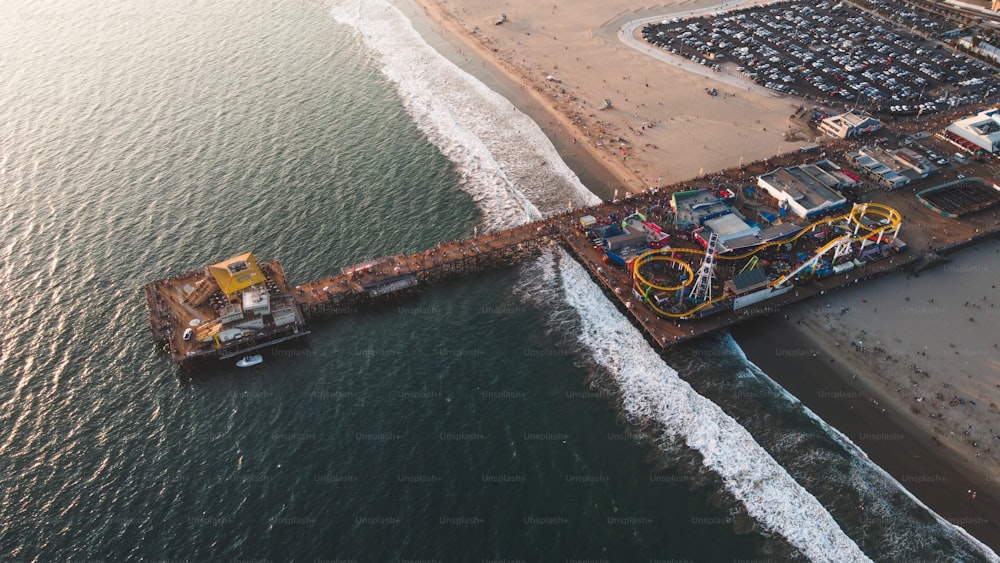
(188, 333)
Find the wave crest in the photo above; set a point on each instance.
(652, 391)
(505, 161)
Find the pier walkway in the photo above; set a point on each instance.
(192, 330)
(382, 276)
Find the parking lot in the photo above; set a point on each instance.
(834, 53)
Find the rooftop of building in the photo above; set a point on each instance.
(802, 187)
(692, 207)
(855, 118)
(985, 124)
(236, 273)
(750, 278)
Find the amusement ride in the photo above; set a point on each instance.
(665, 279)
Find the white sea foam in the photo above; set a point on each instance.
(861, 460)
(505, 160)
(652, 390)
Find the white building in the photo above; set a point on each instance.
(257, 301)
(850, 124)
(803, 194)
(730, 227)
(981, 130)
(913, 165)
(983, 48)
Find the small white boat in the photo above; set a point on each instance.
(248, 361)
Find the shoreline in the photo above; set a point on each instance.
(938, 478)
(595, 174)
(879, 400)
(912, 459)
(552, 121)
(640, 142)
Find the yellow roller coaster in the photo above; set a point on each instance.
(858, 223)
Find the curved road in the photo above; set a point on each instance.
(627, 35)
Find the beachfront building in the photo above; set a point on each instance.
(980, 131)
(617, 239)
(633, 236)
(747, 281)
(807, 191)
(706, 214)
(741, 236)
(829, 174)
(886, 168)
(849, 125)
(231, 276)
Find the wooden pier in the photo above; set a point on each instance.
(387, 275)
(188, 327)
(172, 313)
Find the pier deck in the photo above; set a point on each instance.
(382, 276)
(668, 332)
(172, 314)
(171, 311)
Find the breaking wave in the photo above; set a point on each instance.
(505, 161)
(906, 527)
(652, 391)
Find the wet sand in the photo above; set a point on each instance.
(894, 398)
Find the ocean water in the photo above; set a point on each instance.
(513, 415)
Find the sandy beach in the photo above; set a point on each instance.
(932, 342)
(909, 369)
(662, 127)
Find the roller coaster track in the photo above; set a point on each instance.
(855, 217)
